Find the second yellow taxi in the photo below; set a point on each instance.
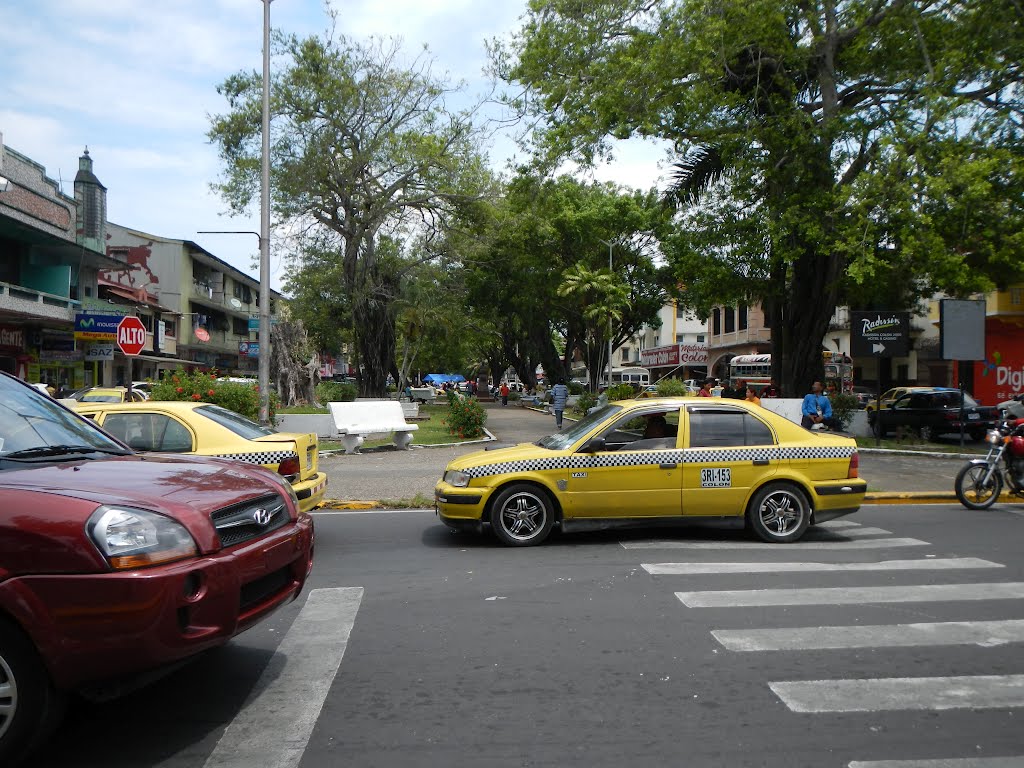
(658, 461)
(209, 430)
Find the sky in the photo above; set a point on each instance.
(135, 82)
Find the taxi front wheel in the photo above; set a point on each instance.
(522, 515)
(779, 513)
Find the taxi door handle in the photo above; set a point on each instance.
(761, 462)
(667, 466)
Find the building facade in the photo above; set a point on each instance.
(50, 256)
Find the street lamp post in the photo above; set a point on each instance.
(264, 358)
(609, 243)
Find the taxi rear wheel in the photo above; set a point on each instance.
(779, 513)
(522, 515)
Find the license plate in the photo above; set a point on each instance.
(310, 453)
(973, 415)
(716, 477)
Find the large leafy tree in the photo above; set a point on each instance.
(364, 150)
(540, 230)
(814, 139)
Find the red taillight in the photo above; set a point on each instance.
(289, 466)
(854, 465)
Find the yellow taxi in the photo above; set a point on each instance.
(105, 395)
(205, 429)
(890, 396)
(658, 461)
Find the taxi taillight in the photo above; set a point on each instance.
(854, 465)
(289, 466)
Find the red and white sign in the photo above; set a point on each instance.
(676, 354)
(131, 335)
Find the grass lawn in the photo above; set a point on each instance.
(946, 444)
(431, 431)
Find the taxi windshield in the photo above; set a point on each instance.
(559, 441)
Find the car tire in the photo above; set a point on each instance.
(877, 429)
(927, 433)
(977, 434)
(522, 515)
(779, 513)
(30, 707)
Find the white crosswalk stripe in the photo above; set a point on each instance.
(1015, 761)
(737, 598)
(934, 564)
(983, 633)
(803, 544)
(902, 693)
(839, 695)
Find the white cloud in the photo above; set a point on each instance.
(135, 82)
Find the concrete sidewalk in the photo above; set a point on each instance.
(389, 477)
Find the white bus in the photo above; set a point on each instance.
(757, 370)
(632, 375)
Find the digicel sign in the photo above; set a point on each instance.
(131, 335)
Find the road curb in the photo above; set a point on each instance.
(927, 497)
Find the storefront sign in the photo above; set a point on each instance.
(12, 338)
(674, 355)
(99, 352)
(90, 327)
(249, 348)
(693, 354)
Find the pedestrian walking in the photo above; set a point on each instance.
(504, 393)
(559, 394)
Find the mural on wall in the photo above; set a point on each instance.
(136, 272)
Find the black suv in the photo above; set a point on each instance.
(933, 412)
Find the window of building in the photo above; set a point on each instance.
(625, 354)
(680, 310)
(743, 317)
(716, 321)
(1016, 296)
(700, 338)
(730, 320)
(240, 326)
(680, 338)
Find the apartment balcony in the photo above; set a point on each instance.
(19, 300)
(736, 338)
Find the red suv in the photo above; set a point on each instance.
(115, 565)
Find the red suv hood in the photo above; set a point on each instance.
(185, 488)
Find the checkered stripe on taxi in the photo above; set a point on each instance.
(259, 457)
(638, 458)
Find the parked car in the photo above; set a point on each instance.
(724, 462)
(171, 426)
(864, 395)
(933, 412)
(115, 567)
(890, 395)
(104, 395)
(1012, 408)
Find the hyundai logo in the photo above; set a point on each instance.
(262, 516)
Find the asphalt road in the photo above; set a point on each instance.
(894, 636)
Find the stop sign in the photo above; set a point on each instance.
(131, 335)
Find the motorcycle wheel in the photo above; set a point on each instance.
(970, 489)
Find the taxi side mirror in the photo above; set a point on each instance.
(593, 446)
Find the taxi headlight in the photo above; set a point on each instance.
(456, 479)
(136, 538)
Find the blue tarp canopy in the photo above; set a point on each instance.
(441, 378)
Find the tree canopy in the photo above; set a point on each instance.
(825, 147)
(365, 155)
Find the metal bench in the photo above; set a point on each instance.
(356, 420)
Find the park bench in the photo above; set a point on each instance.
(356, 420)
(422, 394)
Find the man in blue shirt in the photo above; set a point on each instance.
(817, 409)
(559, 394)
